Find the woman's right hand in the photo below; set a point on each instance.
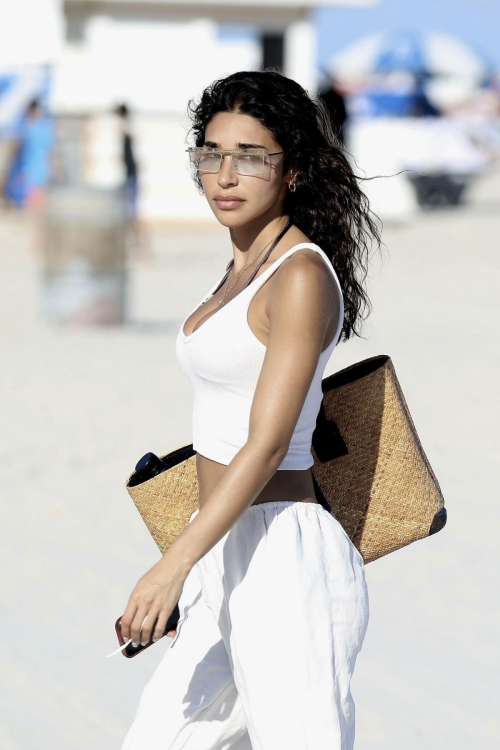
(153, 600)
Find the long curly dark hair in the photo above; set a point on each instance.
(327, 205)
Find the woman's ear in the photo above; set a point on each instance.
(291, 174)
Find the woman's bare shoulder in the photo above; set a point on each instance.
(303, 280)
(308, 264)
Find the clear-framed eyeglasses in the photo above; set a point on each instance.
(244, 162)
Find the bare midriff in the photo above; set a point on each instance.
(285, 484)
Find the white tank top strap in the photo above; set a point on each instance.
(260, 280)
(257, 282)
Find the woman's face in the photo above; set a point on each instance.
(261, 195)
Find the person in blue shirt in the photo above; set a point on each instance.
(30, 168)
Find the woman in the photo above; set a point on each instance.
(273, 600)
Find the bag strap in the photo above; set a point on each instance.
(266, 256)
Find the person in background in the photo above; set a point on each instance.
(30, 164)
(129, 160)
(131, 185)
(31, 168)
(421, 104)
(334, 100)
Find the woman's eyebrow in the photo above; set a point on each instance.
(212, 144)
(250, 145)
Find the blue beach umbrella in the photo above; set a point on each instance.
(401, 50)
(425, 54)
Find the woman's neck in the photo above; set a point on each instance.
(249, 242)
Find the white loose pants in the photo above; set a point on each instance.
(271, 622)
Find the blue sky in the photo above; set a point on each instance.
(476, 22)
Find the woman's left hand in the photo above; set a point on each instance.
(153, 598)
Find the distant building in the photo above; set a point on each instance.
(155, 56)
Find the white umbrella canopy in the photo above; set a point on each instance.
(414, 51)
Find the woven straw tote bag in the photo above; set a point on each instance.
(370, 470)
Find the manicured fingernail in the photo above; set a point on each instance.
(134, 644)
(155, 639)
(144, 643)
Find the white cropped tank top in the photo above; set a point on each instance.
(222, 360)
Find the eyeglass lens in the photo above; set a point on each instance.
(245, 164)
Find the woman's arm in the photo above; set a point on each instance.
(300, 310)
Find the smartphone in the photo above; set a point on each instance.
(131, 651)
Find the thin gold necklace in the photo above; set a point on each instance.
(244, 269)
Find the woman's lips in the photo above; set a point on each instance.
(228, 203)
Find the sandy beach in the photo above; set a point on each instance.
(80, 406)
